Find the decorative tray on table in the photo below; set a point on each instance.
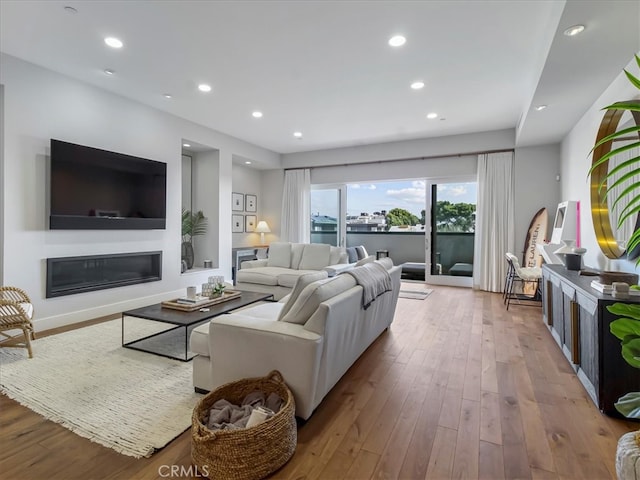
(189, 305)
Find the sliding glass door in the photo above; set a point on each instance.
(327, 215)
(451, 214)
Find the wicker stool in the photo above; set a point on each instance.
(250, 453)
(628, 456)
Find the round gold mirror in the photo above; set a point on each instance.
(610, 235)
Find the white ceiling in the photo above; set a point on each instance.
(325, 68)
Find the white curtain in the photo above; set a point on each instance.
(495, 220)
(296, 218)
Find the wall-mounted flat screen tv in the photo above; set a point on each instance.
(93, 189)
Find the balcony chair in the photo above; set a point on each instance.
(521, 276)
(16, 311)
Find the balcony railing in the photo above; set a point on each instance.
(451, 247)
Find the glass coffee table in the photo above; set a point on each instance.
(165, 332)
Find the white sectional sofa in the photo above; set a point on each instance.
(286, 261)
(312, 337)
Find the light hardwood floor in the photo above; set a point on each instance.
(457, 388)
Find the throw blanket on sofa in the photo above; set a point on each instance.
(374, 279)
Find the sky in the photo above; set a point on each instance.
(373, 197)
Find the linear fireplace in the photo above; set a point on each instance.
(70, 275)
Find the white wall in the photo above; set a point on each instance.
(272, 188)
(576, 161)
(206, 194)
(536, 187)
(39, 105)
(426, 147)
(187, 199)
(248, 181)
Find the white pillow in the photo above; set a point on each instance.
(279, 255)
(386, 262)
(314, 294)
(365, 260)
(315, 256)
(296, 255)
(301, 283)
(335, 255)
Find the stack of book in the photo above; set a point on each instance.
(608, 289)
(192, 301)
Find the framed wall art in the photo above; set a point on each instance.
(236, 224)
(237, 202)
(250, 203)
(250, 223)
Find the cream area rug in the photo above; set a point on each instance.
(130, 401)
(415, 294)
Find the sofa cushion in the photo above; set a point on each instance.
(266, 310)
(365, 260)
(28, 309)
(296, 255)
(386, 262)
(279, 255)
(352, 255)
(199, 341)
(262, 275)
(315, 256)
(314, 294)
(335, 255)
(289, 277)
(303, 280)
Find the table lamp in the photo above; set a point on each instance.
(262, 228)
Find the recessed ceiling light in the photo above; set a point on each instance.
(257, 114)
(297, 134)
(108, 71)
(203, 87)
(113, 42)
(417, 85)
(432, 115)
(167, 95)
(574, 30)
(70, 10)
(247, 162)
(541, 107)
(186, 145)
(397, 41)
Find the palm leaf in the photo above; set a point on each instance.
(629, 213)
(630, 205)
(633, 79)
(613, 153)
(631, 105)
(621, 180)
(616, 134)
(193, 224)
(625, 192)
(633, 242)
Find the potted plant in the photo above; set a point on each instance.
(193, 224)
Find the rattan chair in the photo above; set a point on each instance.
(16, 312)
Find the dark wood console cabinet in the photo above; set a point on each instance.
(579, 322)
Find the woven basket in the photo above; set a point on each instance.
(246, 454)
